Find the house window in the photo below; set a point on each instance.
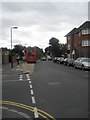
(85, 31)
(85, 43)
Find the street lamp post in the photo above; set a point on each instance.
(11, 45)
(24, 51)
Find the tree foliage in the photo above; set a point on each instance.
(39, 53)
(55, 48)
(54, 44)
(18, 50)
(48, 50)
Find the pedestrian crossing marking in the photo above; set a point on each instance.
(27, 77)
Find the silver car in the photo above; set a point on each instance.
(83, 63)
(61, 59)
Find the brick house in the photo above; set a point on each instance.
(78, 41)
(5, 56)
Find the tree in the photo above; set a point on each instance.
(18, 50)
(55, 48)
(48, 50)
(54, 44)
(39, 53)
(63, 49)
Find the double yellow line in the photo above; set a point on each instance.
(29, 108)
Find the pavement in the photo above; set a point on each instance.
(8, 70)
(22, 67)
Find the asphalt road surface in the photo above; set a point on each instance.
(51, 91)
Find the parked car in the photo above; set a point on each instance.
(65, 61)
(55, 60)
(43, 59)
(49, 58)
(83, 63)
(70, 61)
(61, 59)
(58, 60)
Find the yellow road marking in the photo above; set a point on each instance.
(26, 67)
(30, 108)
(19, 68)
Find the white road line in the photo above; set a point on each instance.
(30, 86)
(32, 92)
(20, 79)
(29, 82)
(36, 112)
(21, 76)
(27, 75)
(33, 100)
(28, 79)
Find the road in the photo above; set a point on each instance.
(51, 90)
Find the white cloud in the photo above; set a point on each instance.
(38, 22)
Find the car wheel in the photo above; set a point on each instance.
(82, 67)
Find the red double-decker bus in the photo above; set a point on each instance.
(31, 54)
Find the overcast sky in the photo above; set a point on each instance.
(39, 21)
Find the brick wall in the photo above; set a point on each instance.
(6, 59)
(76, 43)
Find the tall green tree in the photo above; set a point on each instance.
(39, 53)
(48, 50)
(18, 50)
(54, 44)
(63, 49)
(55, 48)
